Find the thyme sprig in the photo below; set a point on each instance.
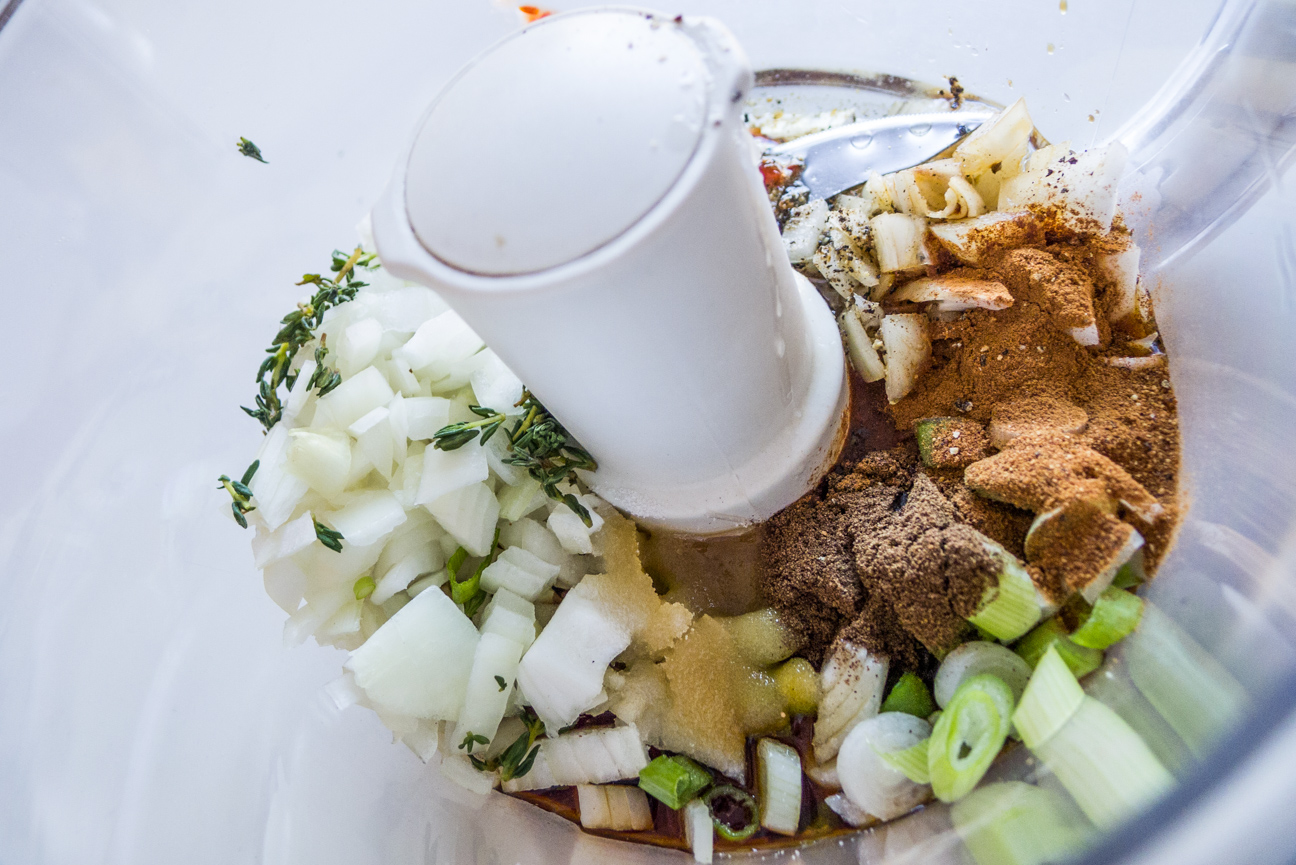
(518, 758)
(298, 328)
(539, 444)
(240, 493)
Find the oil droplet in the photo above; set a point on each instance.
(1062, 6)
(920, 129)
(780, 346)
(1050, 48)
(859, 142)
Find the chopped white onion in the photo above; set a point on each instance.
(561, 675)
(780, 786)
(469, 514)
(519, 500)
(897, 240)
(359, 346)
(597, 755)
(290, 538)
(851, 814)
(520, 572)
(411, 552)
(699, 831)
(437, 344)
(613, 806)
(327, 570)
(285, 583)
(423, 740)
(995, 140)
(534, 538)
(299, 394)
(859, 345)
(512, 616)
(571, 532)
(320, 458)
(801, 232)
(404, 309)
(459, 770)
(852, 681)
(276, 491)
(373, 433)
(354, 398)
(495, 661)
(368, 517)
(908, 349)
(497, 451)
(1121, 269)
(495, 385)
(969, 239)
(312, 615)
(344, 692)
(418, 663)
(445, 472)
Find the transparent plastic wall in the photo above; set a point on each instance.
(148, 710)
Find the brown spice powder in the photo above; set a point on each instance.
(1070, 426)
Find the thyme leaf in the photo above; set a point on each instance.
(330, 538)
(250, 150)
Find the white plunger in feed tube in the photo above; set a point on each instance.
(585, 195)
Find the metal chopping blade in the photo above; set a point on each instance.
(837, 159)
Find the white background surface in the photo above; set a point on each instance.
(147, 711)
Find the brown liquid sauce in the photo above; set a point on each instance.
(721, 575)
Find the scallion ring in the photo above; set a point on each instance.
(724, 803)
(968, 736)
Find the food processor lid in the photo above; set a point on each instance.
(592, 119)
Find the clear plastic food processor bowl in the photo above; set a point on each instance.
(148, 711)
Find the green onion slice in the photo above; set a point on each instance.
(1014, 823)
(457, 558)
(909, 695)
(364, 587)
(1115, 615)
(462, 592)
(912, 761)
(1106, 767)
(1132, 574)
(1051, 632)
(968, 736)
(1052, 696)
(1013, 607)
(673, 780)
(726, 803)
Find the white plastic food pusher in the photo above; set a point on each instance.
(584, 195)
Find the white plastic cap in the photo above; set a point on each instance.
(626, 263)
(571, 133)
